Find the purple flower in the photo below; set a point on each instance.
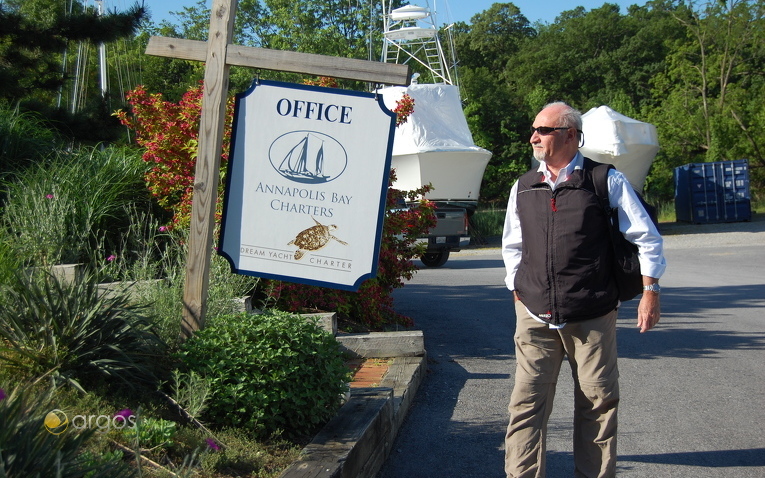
(162, 228)
(123, 414)
(111, 258)
(49, 196)
(2, 394)
(211, 443)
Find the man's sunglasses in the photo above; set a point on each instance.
(545, 130)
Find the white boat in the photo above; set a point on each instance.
(435, 145)
(630, 145)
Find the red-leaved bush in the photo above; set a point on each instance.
(169, 131)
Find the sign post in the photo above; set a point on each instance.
(219, 54)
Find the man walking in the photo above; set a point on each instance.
(557, 254)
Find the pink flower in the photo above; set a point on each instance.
(124, 414)
(111, 258)
(211, 443)
(162, 228)
(49, 196)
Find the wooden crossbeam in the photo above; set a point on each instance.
(290, 61)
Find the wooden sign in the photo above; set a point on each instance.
(307, 184)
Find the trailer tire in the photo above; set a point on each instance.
(435, 259)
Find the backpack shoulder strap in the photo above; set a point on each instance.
(600, 180)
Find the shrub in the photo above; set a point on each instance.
(24, 139)
(269, 373)
(150, 432)
(487, 222)
(28, 449)
(71, 331)
(164, 296)
(169, 132)
(9, 262)
(55, 210)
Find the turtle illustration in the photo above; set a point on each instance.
(314, 238)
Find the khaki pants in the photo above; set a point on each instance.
(591, 350)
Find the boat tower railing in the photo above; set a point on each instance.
(410, 35)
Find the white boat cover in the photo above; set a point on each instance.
(437, 123)
(630, 145)
(435, 145)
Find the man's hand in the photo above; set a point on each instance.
(649, 311)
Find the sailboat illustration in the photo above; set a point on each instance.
(308, 157)
(296, 164)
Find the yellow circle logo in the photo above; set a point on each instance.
(56, 422)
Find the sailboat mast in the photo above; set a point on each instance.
(102, 55)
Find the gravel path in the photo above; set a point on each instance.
(680, 235)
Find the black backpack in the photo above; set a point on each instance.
(626, 267)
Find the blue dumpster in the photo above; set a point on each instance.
(708, 193)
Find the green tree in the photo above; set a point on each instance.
(35, 34)
(41, 41)
(572, 58)
(327, 27)
(586, 58)
(494, 36)
(496, 113)
(706, 97)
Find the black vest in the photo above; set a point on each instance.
(564, 274)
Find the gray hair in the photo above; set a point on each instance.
(569, 117)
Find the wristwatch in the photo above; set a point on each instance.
(652, 288)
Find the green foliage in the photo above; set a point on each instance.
(28, 449)
(24, 139)
(150, 432)
(73, 332)
(687, 68)
(56, 210)
(707, 109)
(330, 27)
(269, 373)
(495, 34)
(487, 222)
(161, 281)
(9, 262)
(243, 456)
(496, 113)
(191, 391)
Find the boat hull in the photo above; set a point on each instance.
(455, 175)
(634, 165)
